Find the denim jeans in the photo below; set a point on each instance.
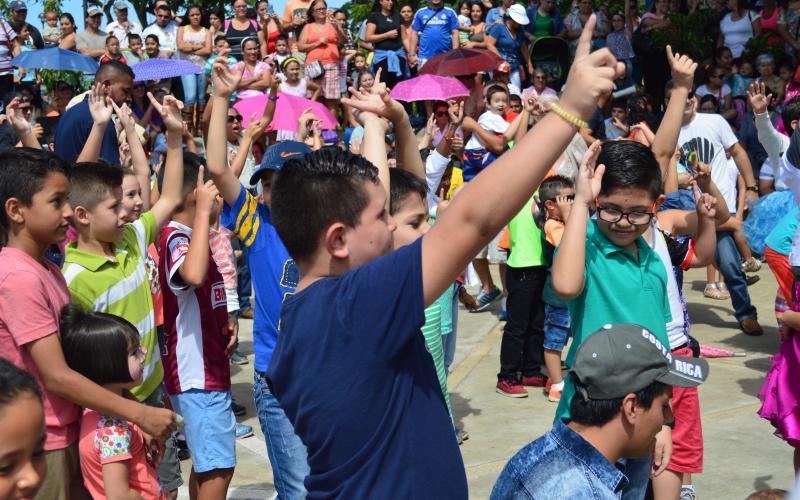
(729, 262)
(194, 89)
(287, 453)
(521, 349)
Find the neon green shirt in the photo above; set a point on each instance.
(526, 240)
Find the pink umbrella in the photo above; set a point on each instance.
(429, 88)
(287, 111)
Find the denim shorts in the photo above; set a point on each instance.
(556, 327)
(209, 428)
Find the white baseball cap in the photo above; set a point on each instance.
(518, 14)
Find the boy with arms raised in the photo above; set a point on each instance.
(33, 193)
(371, 412)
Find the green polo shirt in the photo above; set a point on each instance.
(525, 239)
(120, 287)
(617, 288)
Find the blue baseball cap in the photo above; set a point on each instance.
(278, 154)
(18, 6)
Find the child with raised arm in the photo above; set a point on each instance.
(359, 306)
(33, 191)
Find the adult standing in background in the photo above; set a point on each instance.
(477, 35)
(496, 14)
(385, 32)
(437, 32)
(92, 41)
(194, 45)
(295, 15)
(737, 27)
(20, 13)
(407, 17)
(577, 20)
(165, 29)
(216, 23)
(123, 27)
(320, 41)
(8, 49)
(508, 41)
(239, 28)
(545, 20)
(67, 32)
(269, 27)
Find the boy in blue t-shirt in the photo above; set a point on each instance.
(350, 368)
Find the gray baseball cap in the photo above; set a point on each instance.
(619, 359)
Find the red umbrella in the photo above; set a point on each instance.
(461, 62)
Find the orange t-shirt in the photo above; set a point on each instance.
(325, 54)
(553, 231)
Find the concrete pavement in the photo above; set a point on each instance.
(741, 454)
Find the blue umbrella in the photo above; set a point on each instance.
(55, 58)
(158, 69)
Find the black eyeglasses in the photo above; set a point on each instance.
(236, 118)
(634, 218)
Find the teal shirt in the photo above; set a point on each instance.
(617, 289)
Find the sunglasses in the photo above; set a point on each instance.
(236, 118)
(441, 113)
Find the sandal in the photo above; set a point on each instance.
(712, 292)
(723, 290)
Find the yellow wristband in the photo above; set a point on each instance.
(574, 120)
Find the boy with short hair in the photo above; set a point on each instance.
(33, 193)
(617, 124)
(198, 333)
(51, 34)
(133, 52)
(356, 314)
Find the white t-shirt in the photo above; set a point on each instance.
(710, 135)
(119, 31)
(768, 174)
(166, 35)
(490, 121)
(720, 94)
(675, 328)
(790, 176)
(735, 34)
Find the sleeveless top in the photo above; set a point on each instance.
(272, 35)
(235, 36)
(193, 37)
(325, 54)
(299, 90)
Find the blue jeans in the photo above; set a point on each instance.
(287, 453)
(729, 261)
(194, 89)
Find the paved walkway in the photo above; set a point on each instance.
(741, 453)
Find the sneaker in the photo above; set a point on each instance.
(238, 358)
(752, 279)
(238, 409)
(512, 389)
(687, 494)
(553, 395)
(243, 431)
(502, 315)
(485, 299)
(461, 435)
(751, 266)
(246, 313)
(535, 381)
(751, 327)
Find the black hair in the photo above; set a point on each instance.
(791, 111)
(401, 184)
(110, 36)
(709, 98)
(133, 36)
(220, 38)
(638, 111)
(92, 182)
(629, 164)
(360, 76)
(113, 69)
(482, 7)
(11, 95)
(163, 7)
(185, 21)
(376, 7)
(342, 11)
(514, 97)
(494, 89)
(328, 185)
(68, 16)
(152, 37)
(620, 102)
(14, 382)
(22, 174)
(552, 187)
(191, 167)
(282, 36)
(17, 25)
(718, 53)
(97, 345)
(597, 412)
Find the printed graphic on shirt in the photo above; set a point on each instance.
(218, 297)
(290, 275)
(705, 149)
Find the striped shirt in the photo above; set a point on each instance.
(120, 287)
(222, 251)
(432, 333)
(7, 37)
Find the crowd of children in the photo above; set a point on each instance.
(121, 278)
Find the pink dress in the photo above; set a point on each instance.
(780, 394)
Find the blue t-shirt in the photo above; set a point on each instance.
(493, 16)
(507, 45)
(73, 130)
(436, 38)
(353, 375)
(273, 272)
(780, 239)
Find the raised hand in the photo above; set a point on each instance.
(379, 87)
(255, 128)
(590, 175)
(379, 103)
(757, 95)
(455, 111)
(702, 176)
(17, 118)
(99, 105)
(225, 78)
(529, 102)
(206, 193)
(618, 124)
(591, 75)
(683, 68)
(170, 111)
(705, 204)
(125, 114)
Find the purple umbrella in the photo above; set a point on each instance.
(429, 88)
(158, 69)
